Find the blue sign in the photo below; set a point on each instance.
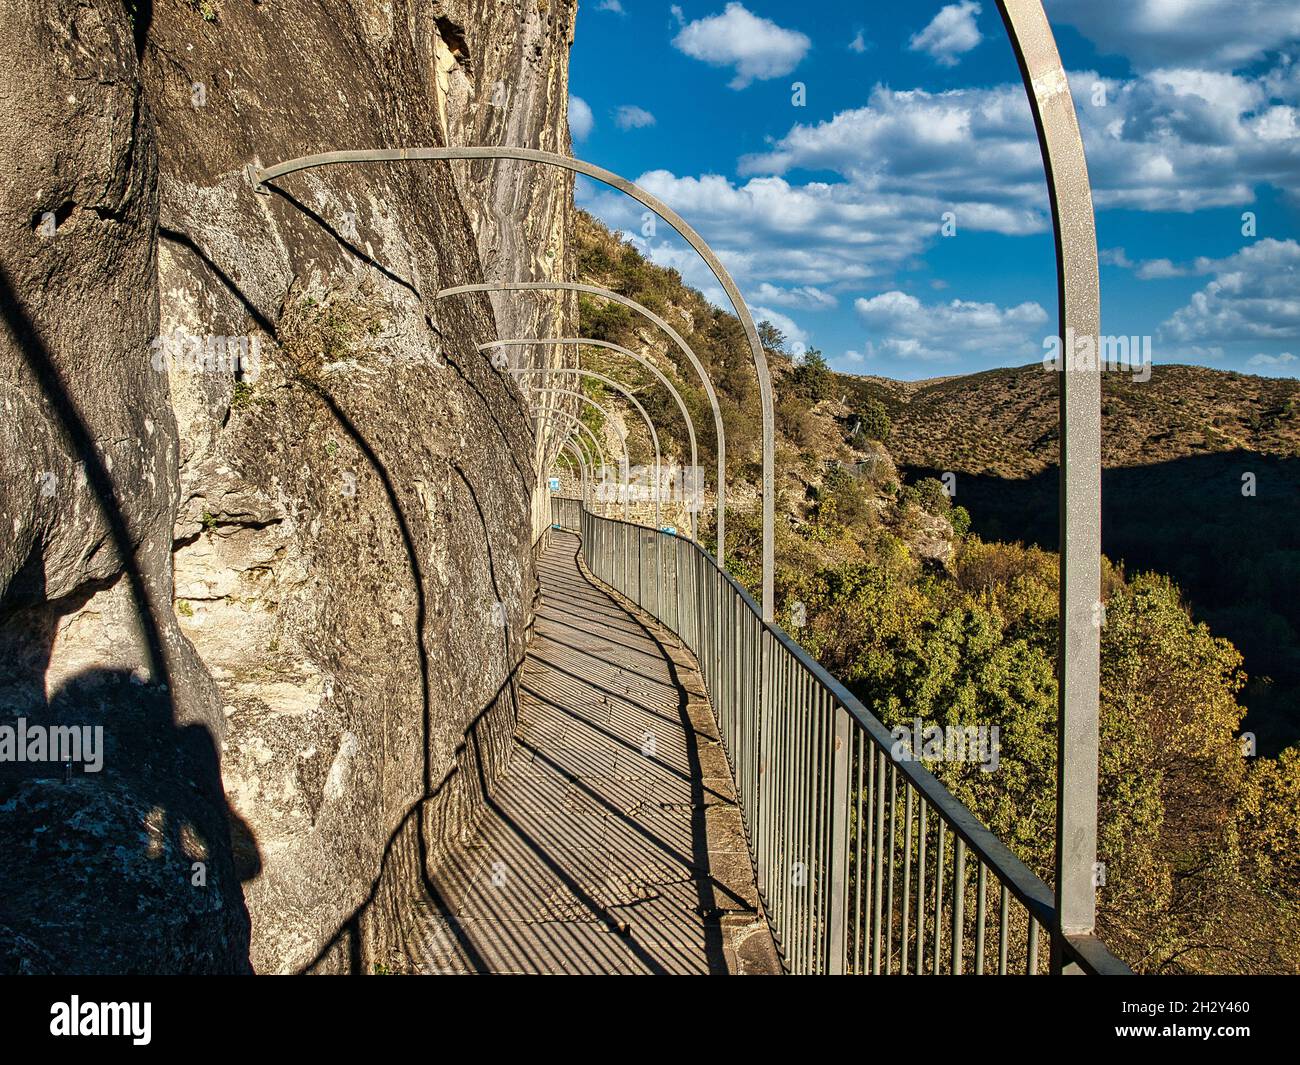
(555, 484)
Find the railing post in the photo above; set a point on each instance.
(839, 870)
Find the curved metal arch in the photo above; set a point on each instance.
(1079, 309)
(259, 177)
(609, 418)
(598, 449)
(720, 433)
(672, 390)
(572, 449)
(627, 394)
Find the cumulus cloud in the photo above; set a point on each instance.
(858, 44)
(1224, 34)
(1169, 140)
(818, 235)
(629, 116)
(804, 297)
(1253, 294)
(612, 6)
(1272, 361)
(950, 34)
(902, 327)
(756, 47)
(581, 119)
(1145, 269)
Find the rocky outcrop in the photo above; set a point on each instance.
(263, 392)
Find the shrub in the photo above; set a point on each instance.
(813, 378)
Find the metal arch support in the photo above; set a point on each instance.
(574, 422)
(627, 394)
(405, 155)
(641, 359)
(720, 433)
(581, 466)
(598, 449)
(1079, 645)
(587, 429)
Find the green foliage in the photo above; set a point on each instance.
(1200, 849)
(792, 420)
(241, 396)
(813, 379)
(772, 338)
(842, 501)
(960, 519)
(929, 494)
(874, 421)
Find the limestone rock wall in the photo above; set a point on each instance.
(261, 393)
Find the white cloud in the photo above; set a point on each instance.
(797, 339)
(804, 297)
(581, 119)
(1170, 140)
(1284, 359)
(1159, 270)
(858, 44)
(950, 34)
(612, 6)
(1225, 34)
(629, 116)
(819, 235)
(1254, 294)
(904, 328)
(757, 47)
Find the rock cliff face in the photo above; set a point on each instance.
(260, 394)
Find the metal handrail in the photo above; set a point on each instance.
(796, 739)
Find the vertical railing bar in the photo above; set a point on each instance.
(1031, 964)
(860, 744)
(907, 878)
(1002, 933)
(878, 892)
(921, 833)
(979, 919)
(893, 839)
(958, 903)
(938, 894)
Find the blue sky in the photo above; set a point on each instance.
(828, 205)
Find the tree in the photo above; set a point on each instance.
(771, 337)
(813, 379)
(873, 421)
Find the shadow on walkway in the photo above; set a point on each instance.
(613, 843)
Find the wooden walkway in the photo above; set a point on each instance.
(613, 843)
